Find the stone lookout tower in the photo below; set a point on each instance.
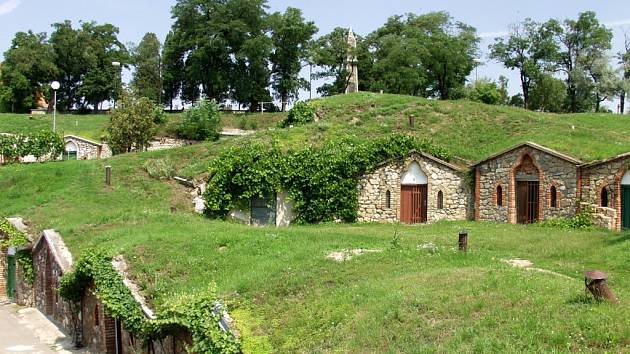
(352, 82)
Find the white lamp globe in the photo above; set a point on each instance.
(116, 63)
(55, 85)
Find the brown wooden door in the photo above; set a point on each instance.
(413, 204)
(527, 201)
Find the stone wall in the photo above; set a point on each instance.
(374, 188)
(3, 270)
(88, 150)
(549, 169)
(24, 292)
(606, 174)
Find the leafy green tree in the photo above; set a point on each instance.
(291, 38)
(426, 55)
(548, 94)
(172, 69)
(624, 84)
(484, 91)
(530, 48)
(131, 124)
(606, 83)
(27, 71)
(102, 81)
(147, 79)
(582, 42)
(73, 58)
(201, 122)
(329, 54)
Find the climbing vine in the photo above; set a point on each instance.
(16, 238)
(321, 181)
(193, 312)
(40, 144)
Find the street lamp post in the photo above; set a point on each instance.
(55, 85)
(116, 64)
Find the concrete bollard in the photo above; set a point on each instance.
(108, 176)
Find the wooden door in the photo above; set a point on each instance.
(625, 207)
(527, 201)
(413, 204)
(10, 277)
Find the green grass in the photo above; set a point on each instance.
(288, 297)
(91, 126)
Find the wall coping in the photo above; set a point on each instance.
(416, 153)
(605, 161)
(81, 139)
(60, 252)
(534, 146)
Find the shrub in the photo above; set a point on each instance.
(582, 220)
(159, 168)
(40, 144)
(159, 117)
(201, 122)
(132, 125)
(301, 113)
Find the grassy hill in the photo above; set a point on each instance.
(288, 297)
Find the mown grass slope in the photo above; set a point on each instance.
(288, 297)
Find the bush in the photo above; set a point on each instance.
(132, 124)
(159, 168)
(40, 144)
(484, 91)
(301, 113)
(201, 122)
(159, 117)
(582, 220)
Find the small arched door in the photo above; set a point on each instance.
(625, 201)
(413, 195)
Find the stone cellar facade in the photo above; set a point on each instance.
(421, 188)
(78, 148)
(524, 184)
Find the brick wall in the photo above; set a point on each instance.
(3, 270)
(550, 171)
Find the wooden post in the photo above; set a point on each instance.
(463, 241)
(596, 283)
(108, 176)
(412, 121)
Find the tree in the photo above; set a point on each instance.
(547, 94)
(131, 124)
(172, 68)
(428, 55)
(624, 85)
(102, 81)
(147, 79)
(484, 91)
(329, 54)
(583, 41)
(530, 48)
(27, 71)
(73, 58)
(201, 122)
(291, 38)
(605, 81)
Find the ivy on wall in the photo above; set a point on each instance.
(193, 311)
(40, 144)
(322, 181)
(15, 238)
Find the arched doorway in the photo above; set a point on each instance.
(625, 201)
(527, 178)
(413, 195)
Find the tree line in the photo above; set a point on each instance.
(237, 51)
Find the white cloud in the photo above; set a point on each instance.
(8, 6)
(493, 34)
(618, 23)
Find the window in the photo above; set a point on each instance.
(96, 318)
(440, 200)
(604, 198)
(499, 196)
(553, 197)
(388, 199)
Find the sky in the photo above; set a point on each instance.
(491, 18)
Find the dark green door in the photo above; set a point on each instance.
(625, 207)
(11, 277)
